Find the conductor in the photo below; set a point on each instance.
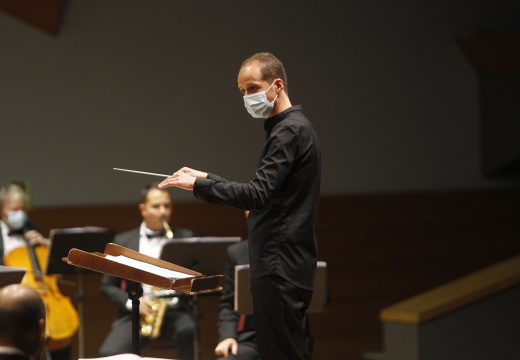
(283, 197)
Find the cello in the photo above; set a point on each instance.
(62, 320)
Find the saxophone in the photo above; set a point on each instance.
(167, 230)
(160, 300)
(151, 324)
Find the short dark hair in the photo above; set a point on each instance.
(21, 309)
(146, 190)
(272, 68)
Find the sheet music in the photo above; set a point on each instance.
(127, 356)
(157, 270)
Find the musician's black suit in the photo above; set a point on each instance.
(228, 319)
(1, 249)
(4, 356)
(28, 226)
(178, 321)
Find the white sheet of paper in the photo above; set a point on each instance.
(170, 274)
(124, 357)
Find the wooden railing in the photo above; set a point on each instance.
(455, 294)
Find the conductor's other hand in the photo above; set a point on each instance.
(225, 345)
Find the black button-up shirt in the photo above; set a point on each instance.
(283, 198)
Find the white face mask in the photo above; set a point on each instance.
(257, 104)
(16, 219)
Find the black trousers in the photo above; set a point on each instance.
(279, 311)
(177, 324)
(62, 354)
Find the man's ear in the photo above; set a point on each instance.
(40, 338)
(41, 325)
(279, 85)
(141, 208)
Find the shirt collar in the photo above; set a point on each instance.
(144, 231)
(4, 228)
(271, 122)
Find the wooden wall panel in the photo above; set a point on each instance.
(41, 14)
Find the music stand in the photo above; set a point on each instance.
(203, 254)
(132, 265)
(62, 240)
(244, 302)
(10, 275)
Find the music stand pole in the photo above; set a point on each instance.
(196, 316)
(80, 297)
(135, 291)
(193, 253)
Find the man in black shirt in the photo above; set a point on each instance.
(283, 198)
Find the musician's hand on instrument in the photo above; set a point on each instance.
(179, 179)
(35, 238)
(193, 172)
(145, 307)
(225, 345)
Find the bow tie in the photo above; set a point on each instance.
(159, 234)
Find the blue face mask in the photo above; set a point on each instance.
(16, 219)
(257, 104)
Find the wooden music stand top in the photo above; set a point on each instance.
(129, 264)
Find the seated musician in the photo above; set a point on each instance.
(178, 323)
(22, 323)
(14, 222)
(236, 332)
(16, 232)
(237, 337)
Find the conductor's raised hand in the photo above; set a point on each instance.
(179, 179)
(193, 172)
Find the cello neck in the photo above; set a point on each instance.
(35, 265)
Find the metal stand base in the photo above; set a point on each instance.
(135, 291)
